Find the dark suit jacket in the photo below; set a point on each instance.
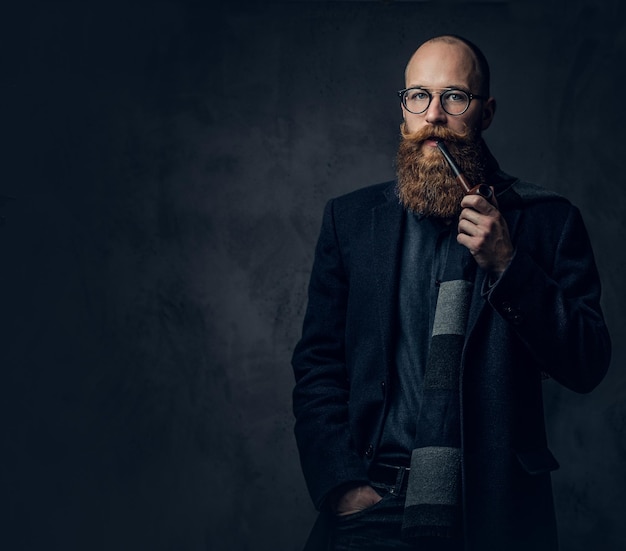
(541, 317)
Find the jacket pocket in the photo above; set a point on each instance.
(538, 461)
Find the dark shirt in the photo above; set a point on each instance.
(421, 264)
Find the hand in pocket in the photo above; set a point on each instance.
(356, 499)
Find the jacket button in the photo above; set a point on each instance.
(383, 387)
(517, 318)
(506, 306)
(370, 451)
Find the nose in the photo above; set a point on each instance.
(435, 113)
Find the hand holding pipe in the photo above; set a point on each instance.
(481, 189)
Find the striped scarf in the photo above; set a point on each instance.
(433, 499)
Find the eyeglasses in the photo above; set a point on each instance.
(454, 102)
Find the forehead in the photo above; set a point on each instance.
(441, 64)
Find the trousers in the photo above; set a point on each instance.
(378, 528)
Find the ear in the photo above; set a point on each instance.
(489, 111)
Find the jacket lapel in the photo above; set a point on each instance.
(386, 233)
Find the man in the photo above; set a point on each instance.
(433, 318)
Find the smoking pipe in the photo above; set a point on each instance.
(481, 189)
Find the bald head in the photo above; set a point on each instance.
(469, 54)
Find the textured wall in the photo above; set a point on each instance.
(170, 164)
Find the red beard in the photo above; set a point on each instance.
(426, 184)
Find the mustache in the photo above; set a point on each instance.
(439, 132)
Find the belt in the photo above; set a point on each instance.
(389, 475)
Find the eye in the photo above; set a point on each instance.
(454, 96)
(417, 95)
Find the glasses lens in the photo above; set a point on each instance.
(455, 102)
(416, 100)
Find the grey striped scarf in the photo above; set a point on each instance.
(433, 499)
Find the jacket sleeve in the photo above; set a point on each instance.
(550, 296)
(320, 397)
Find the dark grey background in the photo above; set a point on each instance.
(170, 163)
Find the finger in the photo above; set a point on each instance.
(477, 234)
(478, 203)
(472, 216)
(467, 242)
(467, 227)
(475, 202)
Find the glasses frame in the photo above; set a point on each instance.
(402, 94)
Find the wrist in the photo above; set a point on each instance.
(495, 273)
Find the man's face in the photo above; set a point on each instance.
(439, 65)
(425, 182)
